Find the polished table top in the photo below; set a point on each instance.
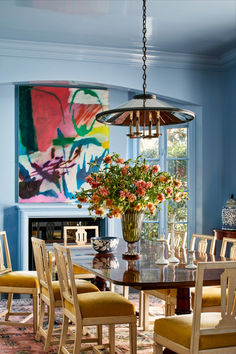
(144, 273)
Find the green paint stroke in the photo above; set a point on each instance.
(86, 92)
(26, 123)
(82, 131)
(62, 141)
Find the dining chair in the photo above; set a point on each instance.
(17, 282)
(205, 242)
(169, 295)
(91, 309)
(211, 295)
(210, 332)
(50, 295)
(180, 238)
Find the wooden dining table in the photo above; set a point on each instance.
(144, 273)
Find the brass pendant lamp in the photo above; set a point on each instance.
(144, 114)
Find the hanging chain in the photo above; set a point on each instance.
(144, 48)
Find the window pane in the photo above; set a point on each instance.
(178, 227)
(149, 148)
(178, 168)
(177, 142)
(150, 231)
(179, 209)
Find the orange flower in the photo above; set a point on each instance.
(160, 197)
(163, 179)
(138, 207)
(107, 159)
(82, 199)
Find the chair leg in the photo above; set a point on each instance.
(145, 313)
(63, 333)
(99, 334)
(35, 312)
(133, 338)
(41, 318)
(112, 338)
(157, 348)
(9, 302)
(51, 314)
(140, 318)
(126, 291)
(112, 287)
(78, 339)
(169, 309)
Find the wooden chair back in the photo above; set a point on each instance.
(80, 235)
(225, 242)
(5, 259)
(203, 243)
(66, 278)
(180, 238)
(227, 322)
(42, 266)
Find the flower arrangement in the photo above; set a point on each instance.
(121, 185)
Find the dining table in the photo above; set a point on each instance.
(144, 273)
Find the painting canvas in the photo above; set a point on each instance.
(58, 136)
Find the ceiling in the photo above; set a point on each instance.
(203, 27)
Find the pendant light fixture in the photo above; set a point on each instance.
(144, 114)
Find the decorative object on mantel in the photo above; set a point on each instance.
(229, 214)
(145, 110)
(127, 189)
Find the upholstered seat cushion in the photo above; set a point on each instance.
(211, 296)
(20, 279)
(103, 304)
(82, 286)
(179, 329)
(80, 270)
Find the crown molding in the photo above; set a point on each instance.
(133, 57)
(229, 58)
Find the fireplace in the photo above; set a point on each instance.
(47, 222)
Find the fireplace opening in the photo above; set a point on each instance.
(51, 230)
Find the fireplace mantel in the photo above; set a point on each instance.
(27, 211)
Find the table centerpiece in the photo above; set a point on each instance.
(128, 189)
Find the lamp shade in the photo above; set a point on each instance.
(145, 111)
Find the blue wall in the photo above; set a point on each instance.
(208, 91)
(229, 132)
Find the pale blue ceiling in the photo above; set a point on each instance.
(206, 27)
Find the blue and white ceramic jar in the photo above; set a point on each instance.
(229, 214)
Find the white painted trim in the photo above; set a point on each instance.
(56, 51)
(44, 210)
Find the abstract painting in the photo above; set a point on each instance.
(58, 136)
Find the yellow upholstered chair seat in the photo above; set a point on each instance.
(79, 270)
(103, 304)
(211, 296)
(179, 330)
(82, 286)
(20, 279)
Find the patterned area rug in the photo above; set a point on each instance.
(20, 340)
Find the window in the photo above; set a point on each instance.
(171, 152)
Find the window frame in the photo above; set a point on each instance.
(134, 149)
